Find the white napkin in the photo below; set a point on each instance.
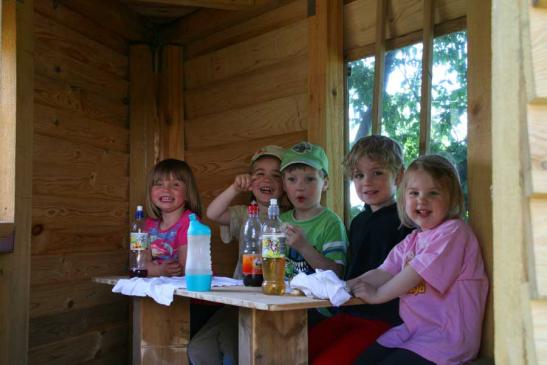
(323, 284)
(161, 288)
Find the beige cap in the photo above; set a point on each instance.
(270, 150)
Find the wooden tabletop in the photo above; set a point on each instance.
(247, 297)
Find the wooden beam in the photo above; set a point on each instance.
(326, 91)
(509, 203)
(17, 70)
(215, 4)
(427, 71)
(380, 51)
(479, 151)
(171, 103)
(143, 122)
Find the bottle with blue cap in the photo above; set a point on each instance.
(198, 270)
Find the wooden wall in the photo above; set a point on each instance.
(80, 181)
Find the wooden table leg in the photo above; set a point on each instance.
(160, 333)
(267, 337)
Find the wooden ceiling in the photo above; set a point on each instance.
(161, 11)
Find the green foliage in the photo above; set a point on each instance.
(401, 99)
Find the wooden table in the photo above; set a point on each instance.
(272, 329)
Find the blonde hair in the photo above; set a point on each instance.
(179, 170)
(444, 174)
(381, 149)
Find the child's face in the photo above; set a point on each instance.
(267, 182)
(169, 194)
(426, 203)
(304, 187)
(374, 183)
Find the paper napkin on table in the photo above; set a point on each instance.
(323, 284)
(162, 288)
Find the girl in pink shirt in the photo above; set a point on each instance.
(172, 197)
(437, 272)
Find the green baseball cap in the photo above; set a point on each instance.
(308, 154)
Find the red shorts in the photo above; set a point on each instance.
(340, 339)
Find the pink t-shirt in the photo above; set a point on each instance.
(164, 244)
(443, 315)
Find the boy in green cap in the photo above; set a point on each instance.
(316, 236)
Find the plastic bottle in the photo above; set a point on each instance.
(273, 252)
(252, 255)
(138, 243)
(198, 270)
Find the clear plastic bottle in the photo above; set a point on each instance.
(273, 252)
(198, 268)
(252, 255)
(138, 243)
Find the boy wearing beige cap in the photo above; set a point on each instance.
(216, 342)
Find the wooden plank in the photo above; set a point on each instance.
(215, 4)
(56, 238)
(537, 84)
(508, 112)
(538, 212)
(143, 130)
(58, 12)
(537, 134)
(50, 329)
(160, 334)
(171, 104)
(97, 161)
(275, 117)
(288, 331)
(121, 19)
(47, 300)
(78, 101)
(263, 50)
(76, 267)
(17, 44)
(326, 92)
(263, 23)
(52, 122)
(49, 210)
(379, 64)
(119, 355)
(66, 41)
(479, 150)
(54, 65)
(427, 71)
(280, 80)
(405, 18)
(82, 348)
(539, 320)
(205, 22)
(56, 179)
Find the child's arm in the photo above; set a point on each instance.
(297, 240)
(367, 288)
(183, 250)
(166, 268)
(218, 209)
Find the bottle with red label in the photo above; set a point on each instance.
(252, 258)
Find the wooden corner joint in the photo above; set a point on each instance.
(7, 237)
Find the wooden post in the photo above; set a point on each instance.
(479, 134)
(427, 70)
(171, 103)
(285, 343)
(144, 136)
(17, 86)
(379, 64)
(160, 333)
(326, 91)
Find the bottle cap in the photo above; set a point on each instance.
(252, 208)
(273, 201)
(139, 207)
(197, 228)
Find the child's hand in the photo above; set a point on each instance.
(166, 268)
(363, 290)
(296, 238)
(243, 183)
